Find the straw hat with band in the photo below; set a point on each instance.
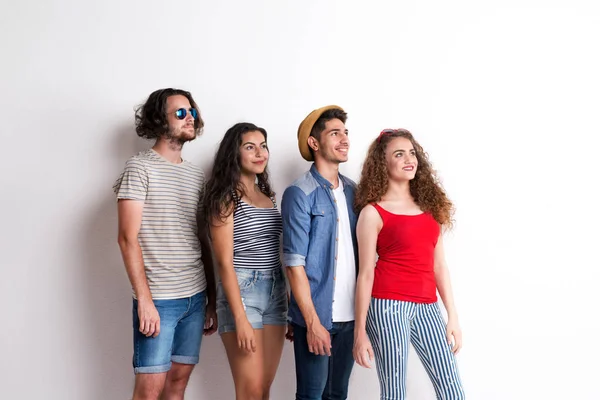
(306, 127)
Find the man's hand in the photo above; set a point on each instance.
(149, 318)
(319, 340)
(289, 334)
(210, 320)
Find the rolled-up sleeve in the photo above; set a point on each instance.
(296, 226)
(133, 182)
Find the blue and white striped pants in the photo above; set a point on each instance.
(390, 325)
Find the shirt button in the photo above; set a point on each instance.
(338, 220)
(335, 201)
(336, 239)
(335, 258)
(334, 278)
(322, 212)
(331, 187)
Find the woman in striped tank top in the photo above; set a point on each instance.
(246, 230)
(403, 210)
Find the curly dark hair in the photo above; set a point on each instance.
(224, 189)
(425, 188)
(151, 117)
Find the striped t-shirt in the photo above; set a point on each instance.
(256, 237)
(172, 196)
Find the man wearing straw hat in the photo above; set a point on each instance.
(320, 253)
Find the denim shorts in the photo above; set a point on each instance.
(264, 297)
(181, 329)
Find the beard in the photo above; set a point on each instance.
(177, 137)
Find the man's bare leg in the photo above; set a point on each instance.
(177, 380)
(149, 386)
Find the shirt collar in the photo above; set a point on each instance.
(322, 181)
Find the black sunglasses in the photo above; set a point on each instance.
(182, 113)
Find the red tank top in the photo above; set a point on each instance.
(405, 245)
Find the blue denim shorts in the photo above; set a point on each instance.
(181, 329)
(264, 297)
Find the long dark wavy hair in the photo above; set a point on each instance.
(151, 117)
(425, 188)
(224, 189)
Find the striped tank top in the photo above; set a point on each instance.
(256, 236)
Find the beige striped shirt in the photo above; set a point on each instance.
(172, 196)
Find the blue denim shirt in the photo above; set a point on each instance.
(310, 230)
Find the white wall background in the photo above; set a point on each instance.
(504, 95)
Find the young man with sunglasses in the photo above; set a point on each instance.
(164, 244)
(320, 252)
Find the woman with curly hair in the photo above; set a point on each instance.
(246, 230)
(403, 210)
